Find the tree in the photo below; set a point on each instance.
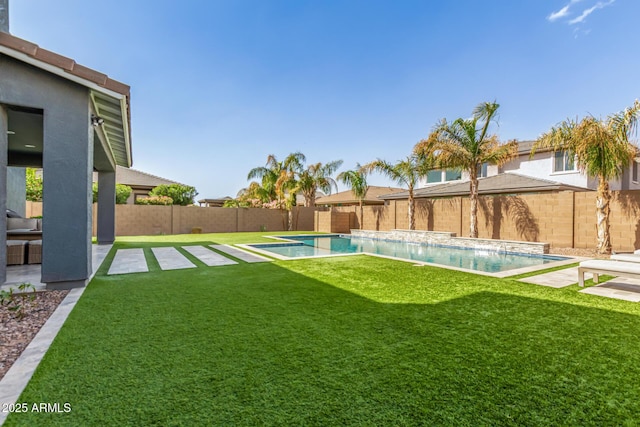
(317, 176)
(279, 181)
(182, 195)
(407, 172)
(34, 186)
(122, 193)
(466, 144)
(356, 180)
(601, 149)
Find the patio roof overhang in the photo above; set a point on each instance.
(110, 99)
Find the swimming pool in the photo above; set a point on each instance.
(454, 257)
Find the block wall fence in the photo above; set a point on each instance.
(564, 220)
(140, 220)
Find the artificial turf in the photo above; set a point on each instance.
(352, 340)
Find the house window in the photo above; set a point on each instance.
(563, 162)
(445, 175)
(482, 170)
(434, 176)
(634, 171)
(452, 174)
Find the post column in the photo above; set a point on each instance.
(106, 207)
(67, 194)
(4, 147)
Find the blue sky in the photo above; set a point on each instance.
(217, 86)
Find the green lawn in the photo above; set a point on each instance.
(336, 341)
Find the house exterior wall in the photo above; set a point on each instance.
(67, 162)
(541, 166)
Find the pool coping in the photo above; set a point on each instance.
(501, 274)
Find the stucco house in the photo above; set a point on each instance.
(544, 164)
(70, 121)
(140, 182)
(347, 198)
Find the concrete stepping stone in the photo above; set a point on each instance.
(207, 256)
(171, 259)
(557, 279)
(128, 261)
(622, 288)
(240, 254)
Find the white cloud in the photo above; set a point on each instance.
(562, 12)
(559, 14)
(589, 11)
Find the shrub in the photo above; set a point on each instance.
(34, 186)
(182, 195)
(122, 193)
(155, 200)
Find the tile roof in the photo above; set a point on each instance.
(347, 197)
(110, 98)
(504, 183)
(132, 177)
(62, 62)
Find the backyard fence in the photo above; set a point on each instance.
(565, 219)
(140, 220)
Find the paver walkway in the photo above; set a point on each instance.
(207, 256)
(618, 288)
(556, 279)
(240, 254)
(170, 259)
(128, 261)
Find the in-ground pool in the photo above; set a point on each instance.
(480, 260)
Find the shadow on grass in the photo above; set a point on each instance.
(332, 342)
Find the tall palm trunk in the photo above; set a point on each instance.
(473, 201)
(361, 215)
(603, 200)
(290, 219)
(412, 209)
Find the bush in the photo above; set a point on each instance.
(155, 200)
(34, 186)
(122, 193)
(182, 195)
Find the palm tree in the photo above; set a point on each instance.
(407, 172)
(317, 176)
(466, 144)
(279, 181)
(268, 176)
(601, 149)
(356, 180)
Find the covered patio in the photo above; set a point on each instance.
(71, 121)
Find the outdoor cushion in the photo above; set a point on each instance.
(29, 224)
(626, 257)
(613, 268)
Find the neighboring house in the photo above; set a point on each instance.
(545, 164)
(213, 203)
(504, 183)
(140, 182)
(347, 198)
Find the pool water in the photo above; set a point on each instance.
(479, 260)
